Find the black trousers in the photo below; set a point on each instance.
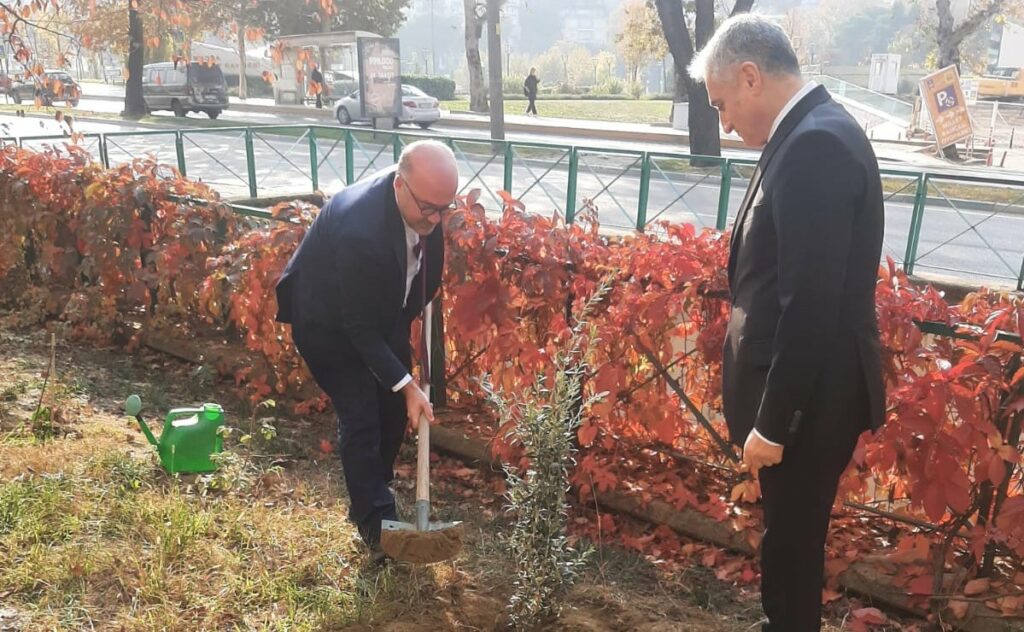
(531, 108)
(797, 497)
(371, 426)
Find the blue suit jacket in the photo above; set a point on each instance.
(343, 289)
(802, 346)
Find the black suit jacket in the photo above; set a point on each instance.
(802, 346)
(342, 290)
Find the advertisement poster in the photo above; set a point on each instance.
(380, 87)
(944, 99)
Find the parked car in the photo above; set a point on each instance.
(50, 87)
(185, 87)
(340, 83)
(417, 107)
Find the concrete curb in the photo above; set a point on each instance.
(972, 205)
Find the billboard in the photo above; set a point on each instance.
(944, 100)
(380, 84)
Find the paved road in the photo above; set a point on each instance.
(992, 250)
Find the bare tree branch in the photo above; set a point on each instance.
(18, 19)
(704, 22)
(971, 24)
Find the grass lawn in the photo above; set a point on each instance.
(618, 111)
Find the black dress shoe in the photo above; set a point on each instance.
(378, 557)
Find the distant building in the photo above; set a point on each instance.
(589, 22)
(1006, 48)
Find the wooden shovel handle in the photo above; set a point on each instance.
(423, 460)
(423, 443)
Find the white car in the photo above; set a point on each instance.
(417, 107)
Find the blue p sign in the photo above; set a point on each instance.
(946, 99)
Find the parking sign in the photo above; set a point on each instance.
(943, 96)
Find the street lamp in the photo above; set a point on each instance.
(433, 49)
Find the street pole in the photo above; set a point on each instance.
(433, 49)
(494, 69)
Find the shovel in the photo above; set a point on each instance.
(424, 542)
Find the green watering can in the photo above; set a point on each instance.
(190, 436)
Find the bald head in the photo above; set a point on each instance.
(428, 179)
(429, 159)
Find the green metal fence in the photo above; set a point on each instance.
(968, 227)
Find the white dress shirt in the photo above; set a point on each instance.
(412, 268)
(786, 109)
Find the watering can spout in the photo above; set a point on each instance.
(132, 407)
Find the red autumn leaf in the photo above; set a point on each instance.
(587, 434)
(921, 585)
(935, 501)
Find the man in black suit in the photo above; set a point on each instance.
(802, 375)
(361, 275)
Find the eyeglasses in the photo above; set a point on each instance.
(428, 210)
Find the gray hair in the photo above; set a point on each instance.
(744, 38)
(435, 147)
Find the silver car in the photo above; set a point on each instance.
(417, 107)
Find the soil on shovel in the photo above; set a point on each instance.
(422, 547)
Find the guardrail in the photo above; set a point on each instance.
(965, 226)
(891, 106)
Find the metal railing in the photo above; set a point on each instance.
(884, 103)
(964, 226)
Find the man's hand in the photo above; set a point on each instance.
(416, 404)
(757, 453)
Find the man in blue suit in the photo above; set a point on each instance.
(802, 372)
(372, 258)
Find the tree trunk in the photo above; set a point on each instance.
(705, 139)
(477, 87)
(949, 36)
(704, 23)
(742, 6)
(702, 118)
(243, 88)
(497, 108)
(949, 51)
(134, 104)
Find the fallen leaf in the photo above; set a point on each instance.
(870, 616)
(958, 608)
(976, 587)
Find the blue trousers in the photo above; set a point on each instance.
(371, 426)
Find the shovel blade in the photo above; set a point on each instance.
(403, 542)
